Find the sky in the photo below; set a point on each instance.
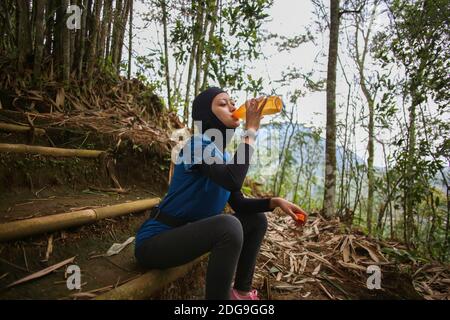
(290, 18)
(287, 18)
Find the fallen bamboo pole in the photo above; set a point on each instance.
(49, 151)
(23, 228)
(149, 283)
(20, 128)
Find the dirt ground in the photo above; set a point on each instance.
(20, 258)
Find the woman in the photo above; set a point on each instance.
(189, 221)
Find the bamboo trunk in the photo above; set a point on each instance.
(65, 42)
(19, 229)
(149, 283)
(58, 51)
(116, 33)
(50, 21)
(24, 33)
(195, 22)
(18, 128)
(39, 39)
(48, 151)
(123, 22)
(130, 40)
(109, 35)
(93, 39)
(104, 33)
(199, 58)
(166, 53)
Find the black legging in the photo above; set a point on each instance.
(233, 240)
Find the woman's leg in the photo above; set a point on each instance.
(254, 226)
(222, 235)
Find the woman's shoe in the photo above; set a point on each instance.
(252, 295)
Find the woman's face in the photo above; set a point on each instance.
(223, 107)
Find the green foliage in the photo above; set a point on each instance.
(288, 44)
(416, 50)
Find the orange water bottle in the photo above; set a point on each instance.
(301, 219)
(273, 105)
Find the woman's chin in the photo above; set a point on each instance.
(235, 124)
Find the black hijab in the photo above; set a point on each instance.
(202, 111)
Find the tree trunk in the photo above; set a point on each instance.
(195, 24)
(370, 170)
(330, 154)
(201, 43)
(81, 41)
(130, 40)
(24, 36)
(342, 192)
(116, 32)
(300, 170)
(65, 33)
(6, 27)
(166, 52)
(39, 39)
(447, 226)
(360, 62)
(73, 41)
(283, 168)
(32, 23)
(93, 36)
(50, 18)
(215, 10)
(381, 214)
(58, 52)
(283, 146)
(124, 20)
(410, 174)
(106, 21)
(109, 34)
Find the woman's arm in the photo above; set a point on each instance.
(239, 203)
(230, 176)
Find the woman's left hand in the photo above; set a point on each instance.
(287, 207)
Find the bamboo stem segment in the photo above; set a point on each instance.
(23, 228)
(18, 128)
(149, 283)
(49, 151)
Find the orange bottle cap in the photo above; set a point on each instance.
(300, 217)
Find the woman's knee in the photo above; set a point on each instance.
(260, 220)
(231, 228)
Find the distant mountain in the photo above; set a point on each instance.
(277, 131)
(272, 130)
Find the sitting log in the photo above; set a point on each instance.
(23, 228)
(149, 283)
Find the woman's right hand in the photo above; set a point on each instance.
(253, 113)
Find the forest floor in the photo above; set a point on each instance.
(328, 260)
(88, 244)
(323, 260)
